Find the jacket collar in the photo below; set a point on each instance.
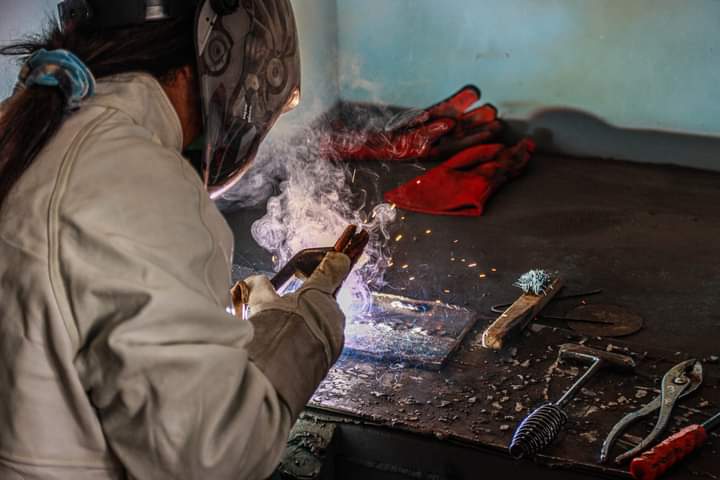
(140, 96)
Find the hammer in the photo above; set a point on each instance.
(542, 426)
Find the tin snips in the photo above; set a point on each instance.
(679, 382)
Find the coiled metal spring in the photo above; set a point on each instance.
(537, 430)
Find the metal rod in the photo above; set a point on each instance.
(578, 295)
(713, 423)
(579, 320)
(578, 384)
(501, 308)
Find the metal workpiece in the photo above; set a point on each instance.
(713, 423)
(414, 332)
(679, 382)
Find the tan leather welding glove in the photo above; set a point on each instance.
(298, 337)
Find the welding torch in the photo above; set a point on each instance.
(352, 243)
(653, 463)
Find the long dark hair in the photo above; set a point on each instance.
(32, 116)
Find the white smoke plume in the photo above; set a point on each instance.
(316, 199)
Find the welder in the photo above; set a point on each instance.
(120, 355)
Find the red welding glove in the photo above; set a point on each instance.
(463, 184)
(440, 130)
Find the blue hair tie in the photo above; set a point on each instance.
(61, 69)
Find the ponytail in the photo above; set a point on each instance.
(23, 132)
(34, 113)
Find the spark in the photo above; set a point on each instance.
(472, 265)
(493, 270)
(353, 175)
(398, 238)
(483, 275)
(428, 232)
(404, 267)
(446, 291)
(456, 241)
(411, 278)
(393, 207)
(419, 182)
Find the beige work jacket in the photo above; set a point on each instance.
(118, 357)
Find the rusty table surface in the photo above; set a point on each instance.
(647, 235)
(480, 396)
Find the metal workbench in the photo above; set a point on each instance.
(647, 235)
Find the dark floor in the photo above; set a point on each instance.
(647, 235)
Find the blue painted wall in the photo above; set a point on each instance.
(623, 79)
(317, 25)
(317, 22)
(19, 18)
(578, 71)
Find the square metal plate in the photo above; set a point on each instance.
(415, 332)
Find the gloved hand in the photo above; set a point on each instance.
(463, 184)
(298, 337)
(351, 242)
(440, 130)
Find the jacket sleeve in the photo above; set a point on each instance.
(142, 270)
(307, 324)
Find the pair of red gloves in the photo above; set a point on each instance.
(463, 183)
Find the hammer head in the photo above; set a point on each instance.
(589, 355)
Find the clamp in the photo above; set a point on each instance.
(679, 382)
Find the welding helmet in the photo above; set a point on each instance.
(248, 65)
